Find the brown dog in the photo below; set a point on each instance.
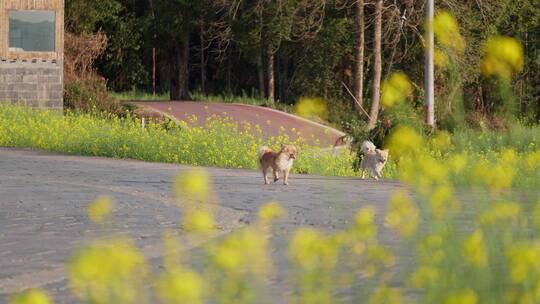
(281, 161)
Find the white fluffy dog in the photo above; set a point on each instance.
(373, 160)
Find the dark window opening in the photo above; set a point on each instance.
(31, 31)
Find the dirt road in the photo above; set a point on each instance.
(43, 200)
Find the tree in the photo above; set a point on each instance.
(358, 76)
(377, 67)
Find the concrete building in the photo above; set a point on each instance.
(32, 52)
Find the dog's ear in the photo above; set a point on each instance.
(282, 146)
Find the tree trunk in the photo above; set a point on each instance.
(180, 81)
(377, 68)
(359, 58)
(260, 71)
(271, 80)
(284, 74)
(203, 64)
(153, 51)
(154, 71)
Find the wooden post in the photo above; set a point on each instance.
(429, 91)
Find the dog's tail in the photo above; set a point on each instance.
(263, 150)
(367, 147)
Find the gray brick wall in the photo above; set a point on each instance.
(36, 83)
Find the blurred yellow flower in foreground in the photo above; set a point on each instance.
(402, 214)
(442, 201)
(404, 141)
(522, 261)
(500, 211)
(109, 271)
(100, 208)
(311, 107)
(536, 215)
(312, 250)
(475, 249)
(446, 30)
(270, 211)
(467, 296)
(440, 59)
(242, 252)
(442, 141)
(198, 220)
(364, 223)
(377, 257)
(502, 57)
(193, 184)
(30, 296)
(395, 89)
(386, 295)
(424, 276)
(180, 286)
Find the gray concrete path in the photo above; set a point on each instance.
(43, 200)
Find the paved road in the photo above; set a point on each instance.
(43, 197)
(182, 110)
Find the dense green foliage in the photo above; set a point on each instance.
(229, 43)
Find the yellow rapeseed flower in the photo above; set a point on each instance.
(270, 211)
(311, 250)
(180, 286)
(500, 211)
(440, 58)
(536, 215)
(503, 56)
(402, 214)
(311, 107)
(533, 160)
(100, 208)
(442, 201)
(395, 89)
(522, 261)
(424, 276)
(457, 163)
(442, 141)
(467, 296)
(193, 184)
(109, 271)
(386, 295)
(243, 251)
(198, 220)
(364, 223)
(404, 141)
(377, 257)
(475, 249)
(30, 296)
(430, 249)
(446, 30)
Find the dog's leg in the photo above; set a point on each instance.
(362, 168)
(265, 175)
(286, 176)
(374, 174)
(363, 174)
(276, 175)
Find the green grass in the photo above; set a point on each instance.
(139, 95)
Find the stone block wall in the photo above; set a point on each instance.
(37, 83)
